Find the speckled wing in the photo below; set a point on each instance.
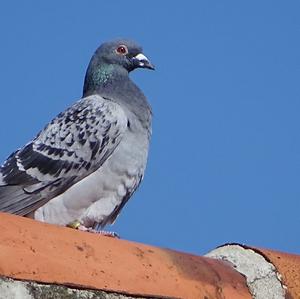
(72, 146)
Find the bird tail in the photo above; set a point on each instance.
(14, 200)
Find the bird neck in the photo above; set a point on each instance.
(103, 77)
(113, 82)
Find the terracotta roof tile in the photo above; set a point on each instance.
(31, 250)
(288, 265)
(35, 251)
(269, 273)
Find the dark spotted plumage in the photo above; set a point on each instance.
(58, 151)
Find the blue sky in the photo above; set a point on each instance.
(224, 162)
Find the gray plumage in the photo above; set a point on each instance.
(88, 161)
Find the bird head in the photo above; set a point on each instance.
(124, 53)
(111, 62)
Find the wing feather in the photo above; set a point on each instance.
(73, 145)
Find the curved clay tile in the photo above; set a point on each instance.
(269, 274)
(48, 254)
(34, 251)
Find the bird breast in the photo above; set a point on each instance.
(95, 197)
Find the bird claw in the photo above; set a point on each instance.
(99, 232)
(77, 225)
(104, 233)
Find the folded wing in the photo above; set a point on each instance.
(73, 145)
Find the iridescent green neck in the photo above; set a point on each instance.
(102, 76)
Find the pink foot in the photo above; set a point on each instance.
(100, 232)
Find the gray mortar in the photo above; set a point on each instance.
(15, 289)
(263, 280)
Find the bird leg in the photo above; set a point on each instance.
(96, 229)
(74, 224)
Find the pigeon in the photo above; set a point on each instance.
(88, 161)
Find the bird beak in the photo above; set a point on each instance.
(140, 60)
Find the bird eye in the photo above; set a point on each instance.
(122, 50)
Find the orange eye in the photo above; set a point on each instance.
(122, 50)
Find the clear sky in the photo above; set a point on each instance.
(224, 162)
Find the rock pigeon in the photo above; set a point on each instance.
(88, 161)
